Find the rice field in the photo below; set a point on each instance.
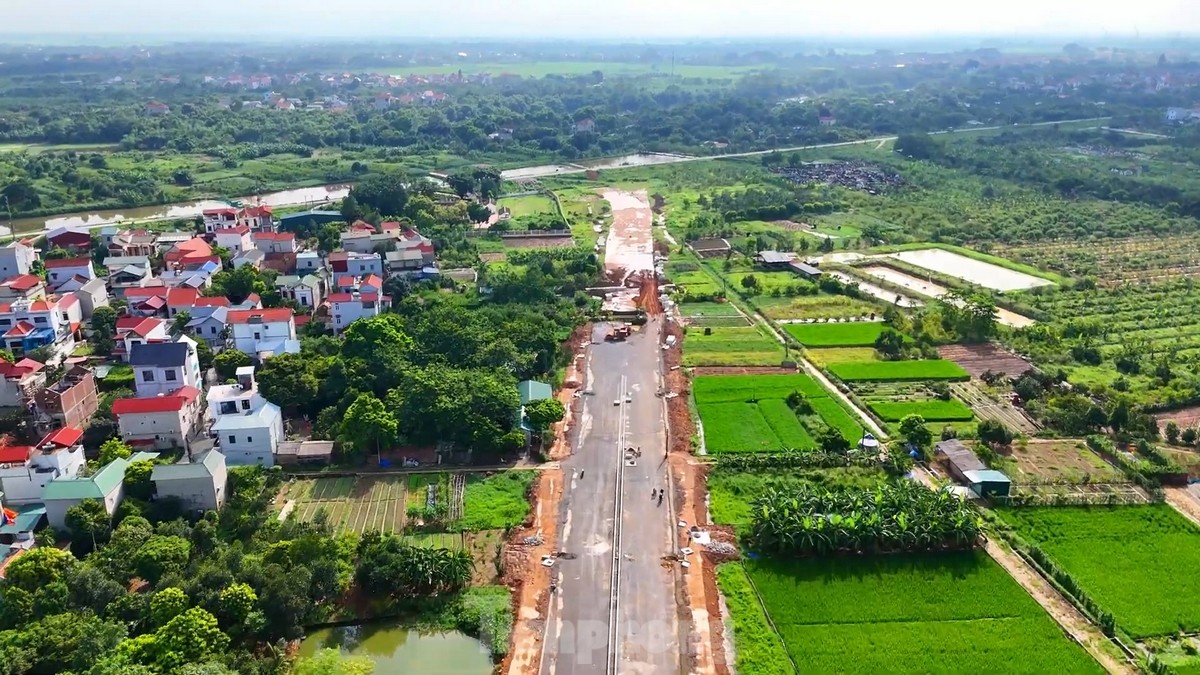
(856, 334)
(749, 413)
(731, 346)
(1136, 562)
(941, 613)
(899, 371)
(932, 410)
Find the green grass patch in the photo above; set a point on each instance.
(941, 613)
(828, 355)
(529, 205)
(759, 649)
(899, 371)
(819, 306)
(785, 424)
(737, 427)
(857, 334)
(495, 502)
(1136, 562)
(833, 413)
(932, 410)
(731, 493)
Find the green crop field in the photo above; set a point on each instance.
(1136, 562)
(748, 413)
(821, 306)
(529, 205)
(857, 334)
(943, 613)
(932, 410)
(729, 388)
(731, 346)
(899, 371)
(732, 492)
(760, 650)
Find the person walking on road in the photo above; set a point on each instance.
(653, 493)
(660, 496)
(581, 473)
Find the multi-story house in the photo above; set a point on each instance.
(263, 333)
(163, 367)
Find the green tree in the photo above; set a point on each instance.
(832, 441)
(191, 637)
(161, 555)
(292, 381)
(38, 567)
(913, 429)
(104, 329)
(1188, 436)
(545, 412)
(88, 521)
(994, 432)
(368, 425)
(331, 662)
(351, 211)
(114, 449)
(890, 344)
(237, 602)
(167, 604)
(228, 361)
(180, 322)
(137, 480)
(383, 193)
(1172, 432)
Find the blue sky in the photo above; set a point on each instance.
(600, 18)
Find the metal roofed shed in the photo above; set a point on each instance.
(532, 390)
(959, 458)
(775, 257)
(304, 452)
(804, 269)
(988, 483)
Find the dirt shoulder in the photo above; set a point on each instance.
(525, 576)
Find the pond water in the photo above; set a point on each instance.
(396, 649)
(310, 195)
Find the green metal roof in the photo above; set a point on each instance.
(27, 520)
(207, 466)
(532, 390)
(98, 484)
(986, 476)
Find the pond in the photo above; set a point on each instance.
(396, 649)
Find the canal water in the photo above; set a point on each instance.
(398, 650)
(310, 195)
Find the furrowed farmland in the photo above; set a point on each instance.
(750, 413)
(1129, 559)
(940, 613)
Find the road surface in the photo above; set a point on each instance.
(562, 169)
(615, 609)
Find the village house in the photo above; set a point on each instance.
(22, 287)
(91, 295)
(166, 421)
(192, 251)
(38, 323)
(197, 273)
(308, 262)
(16, 258)
(247, 427)
(275, 242)
(70, 239)
(165, 241)
(26, 470)
(156, 109)
(211, 327)
(132, 243)
(71, 401)
(62, 270)
(106, 485)
(199, 484)
(217, 219)
(160, 368)
(308, 291)
(129, 272)
(358, 264)
(263, 333)
(136, 330)
(235, 239)
(361, 299)
(20, 381)
(253, 257)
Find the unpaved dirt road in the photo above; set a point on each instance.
(630, 243)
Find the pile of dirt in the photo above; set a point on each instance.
(703, 598)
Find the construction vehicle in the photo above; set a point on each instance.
(619, 334)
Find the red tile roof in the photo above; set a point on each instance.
(64, 437)
(256, 211)
(303, 319)
(182, 297)
(274, 236)
(220, 212)
(156, 302)
(362, 226)
(12, 454)
(216, 301)
(373, 281)
(67, 262)
(20, 368)
(172, 402)
(345, 280)
(138, 325)
(389, 226)
(239, 230)
(23, 282)
(341, 297)
(22, 329)
(264, 315)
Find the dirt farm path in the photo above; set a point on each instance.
(1185, 501)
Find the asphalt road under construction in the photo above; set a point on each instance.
(616, 607)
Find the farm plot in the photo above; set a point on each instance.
(731, 346)
(981, 358)
(1063, 460)
(944, 613)
(855, 334)
(971, 270)
(990, 407)
(712, 314)
(732, 493)
(932, 410)
(749, 413)
(1130, 559)
(820, 307)
(899, 371)
(1115, 262)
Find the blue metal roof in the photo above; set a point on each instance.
(986, 476)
